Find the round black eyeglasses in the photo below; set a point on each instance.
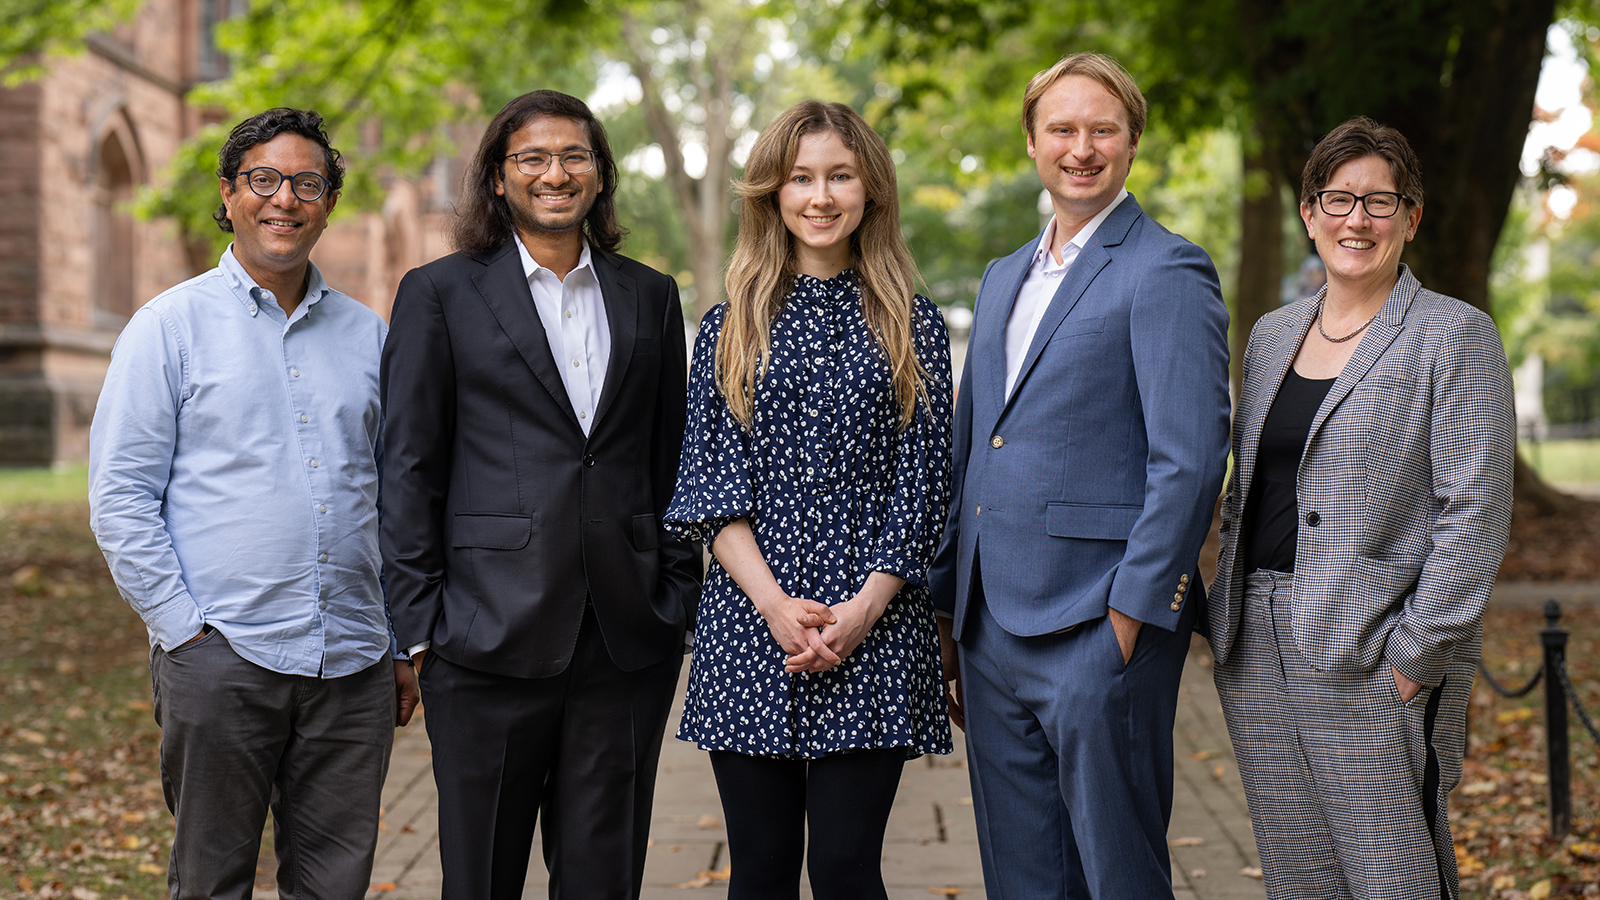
(265, 180)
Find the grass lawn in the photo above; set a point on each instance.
(40, 484)
(1565, 461)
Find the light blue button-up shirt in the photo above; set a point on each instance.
(233, 472)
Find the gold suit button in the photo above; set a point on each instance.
(997, 442)
(979, 510)
(1183, 579)
(1175, 605)
(1177, 598)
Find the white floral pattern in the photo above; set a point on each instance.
(834, 490)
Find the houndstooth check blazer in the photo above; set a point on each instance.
(1404, 487)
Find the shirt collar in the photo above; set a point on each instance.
(245, 287)
(531, 265)
(1081, 239)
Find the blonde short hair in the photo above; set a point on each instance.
(1099, 67)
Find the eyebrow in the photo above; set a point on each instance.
(562, 150)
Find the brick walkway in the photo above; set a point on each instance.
(931, 843)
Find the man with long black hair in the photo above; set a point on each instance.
(533, 387)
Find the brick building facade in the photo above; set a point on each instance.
(75, 263)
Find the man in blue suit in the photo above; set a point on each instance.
(1091, 432)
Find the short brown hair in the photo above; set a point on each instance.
(1099, 67)
(1356, 139)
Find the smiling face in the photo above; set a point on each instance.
(1359, 250)
(822, 204)
(557, 201)
(1083, 147)
(273, 236)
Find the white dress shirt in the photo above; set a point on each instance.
(1039, 288)
(574, 316)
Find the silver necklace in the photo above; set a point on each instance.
(1339, 340)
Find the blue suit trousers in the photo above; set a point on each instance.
(1071, 757)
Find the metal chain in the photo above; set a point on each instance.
(1572, 695)
(1499, 689)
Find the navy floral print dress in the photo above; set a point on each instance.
(834, 490)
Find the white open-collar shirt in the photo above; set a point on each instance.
(573, 313)
(1039, 288)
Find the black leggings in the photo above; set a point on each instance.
(766, 801)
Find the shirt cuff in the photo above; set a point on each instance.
(416, 648)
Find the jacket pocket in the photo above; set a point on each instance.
(645, 535)
(1071, 327)
(1098, 523)
(491, 531)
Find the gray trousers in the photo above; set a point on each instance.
(1347, 785)
(237, 739)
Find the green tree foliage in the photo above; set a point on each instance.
(30, 29)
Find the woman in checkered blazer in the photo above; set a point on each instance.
(1361, 531)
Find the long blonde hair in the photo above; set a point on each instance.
(762, 270)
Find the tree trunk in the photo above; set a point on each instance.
(1260, 249)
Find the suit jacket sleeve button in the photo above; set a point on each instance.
(1313, 519)
(1175, 605)
(997, 442)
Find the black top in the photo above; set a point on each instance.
(1271, 513)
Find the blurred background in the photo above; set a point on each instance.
(111, 112)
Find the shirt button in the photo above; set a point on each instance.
(569, 313)
(323, 508)
(252, 309)
(295, 372)
(583, 414)
(574, 362)
(322, 604)
(997, 442)
(322, 557)
(313, 464)
(303, 418)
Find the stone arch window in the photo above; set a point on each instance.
(111, 231)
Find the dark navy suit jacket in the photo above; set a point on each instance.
(1093, 485)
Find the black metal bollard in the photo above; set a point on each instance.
(1554, 639)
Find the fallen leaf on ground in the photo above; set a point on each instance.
(1187, 842)
(1540, 890)
(383, 886)
(1505, 882)
(700, 882)
(1202, 755)
(149, 869)
(708, 821)
(1476, 788)
(1197, 873)
(1219, 771)
(1250, 872)
(1588, 851)
(948, 890)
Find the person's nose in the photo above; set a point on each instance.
(285, 195)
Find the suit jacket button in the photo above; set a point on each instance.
(1176, 599)
(1175, 605)
(588, 459)
(997, 442)
(1313, 519)
(1183, 579)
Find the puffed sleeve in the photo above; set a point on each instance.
(921, 490)
(713, 487)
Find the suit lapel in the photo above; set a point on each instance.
(1380, 334)
(1263, 387)
(622, 316)
(504, 287)
(989, 327)
(1090, 261)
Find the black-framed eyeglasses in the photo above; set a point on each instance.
(537, 162)
(265, 180)
(1379, 204)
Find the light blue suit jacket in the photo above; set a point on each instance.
(1093, 484)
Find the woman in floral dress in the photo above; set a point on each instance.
(816, 466)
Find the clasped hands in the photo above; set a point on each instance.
(816, 637)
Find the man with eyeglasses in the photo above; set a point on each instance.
(534, 392)
(233, 487)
